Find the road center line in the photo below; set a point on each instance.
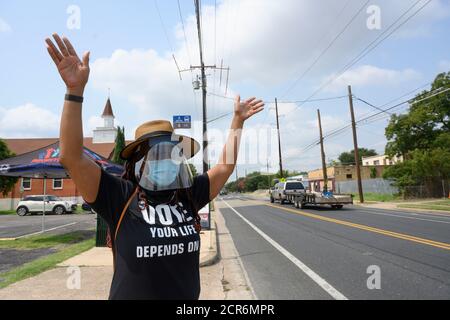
(399, 216)
(433, 243)
(310, 273)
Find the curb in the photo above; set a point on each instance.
(212, 257)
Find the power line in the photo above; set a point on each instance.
(363, 53)
(371, 105)
(326, 49)
(267, 102)
(163, 26)
(184, 32)
(285, 101)
(314, 100)
(339, 131)
(360, 55)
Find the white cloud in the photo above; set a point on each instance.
(28, 120)
(268, 46)
(422, 24)
(265, 44)
(368, 75)
(4, 26)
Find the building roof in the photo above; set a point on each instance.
(20, 146)
(108, 109)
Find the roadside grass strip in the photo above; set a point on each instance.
(40, 265)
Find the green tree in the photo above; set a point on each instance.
(349, 157)
(422, 137)
(119, 145)
(6, 183)
(423, 124)
(193, 169)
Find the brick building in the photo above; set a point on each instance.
(340, 173)
(102, 142)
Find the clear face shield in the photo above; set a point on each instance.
(163, 166)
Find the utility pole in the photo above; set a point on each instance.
(236, 172)
(355, 145)
(279, 139)
(203, 74)
(322, 153)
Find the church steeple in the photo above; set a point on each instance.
(107, 133)
(107, 111)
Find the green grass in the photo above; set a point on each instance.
(45, 241)
(379, 197)
(45, 263)
(442, 205)
(445, 203)
(5, 212)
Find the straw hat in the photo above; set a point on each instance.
(160, 128)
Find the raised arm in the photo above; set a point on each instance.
(219, 174)
(75, 74)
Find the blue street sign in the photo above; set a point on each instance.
(182, 122)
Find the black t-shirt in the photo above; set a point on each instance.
(157, 250)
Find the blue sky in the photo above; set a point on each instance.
(266, 44)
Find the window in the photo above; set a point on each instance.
(294, 185)
(349, 176)
(26, 184)
(376, 162)
(57, 184)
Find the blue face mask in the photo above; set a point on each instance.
(163, 172)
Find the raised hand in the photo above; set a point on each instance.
(246, 109)
(73, 71)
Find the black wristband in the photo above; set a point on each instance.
(71, 97)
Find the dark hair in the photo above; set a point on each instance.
(180, 194)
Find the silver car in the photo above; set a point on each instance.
(34, 204)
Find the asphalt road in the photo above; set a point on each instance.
(12, 226)
(311, 253)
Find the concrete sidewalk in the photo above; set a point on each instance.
(219, 279)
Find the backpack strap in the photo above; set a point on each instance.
(113, 239)
(123, 212)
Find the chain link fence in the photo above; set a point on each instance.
(433, 187)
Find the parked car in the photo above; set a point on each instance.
(32, 204)
(278, 192)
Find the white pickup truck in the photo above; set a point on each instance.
(279, 191)
(295, 192)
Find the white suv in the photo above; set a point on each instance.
(31, 204)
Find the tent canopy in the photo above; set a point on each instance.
(44, 163)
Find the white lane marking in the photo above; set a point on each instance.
(58, 227)
(395, 215)
(310, 273)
